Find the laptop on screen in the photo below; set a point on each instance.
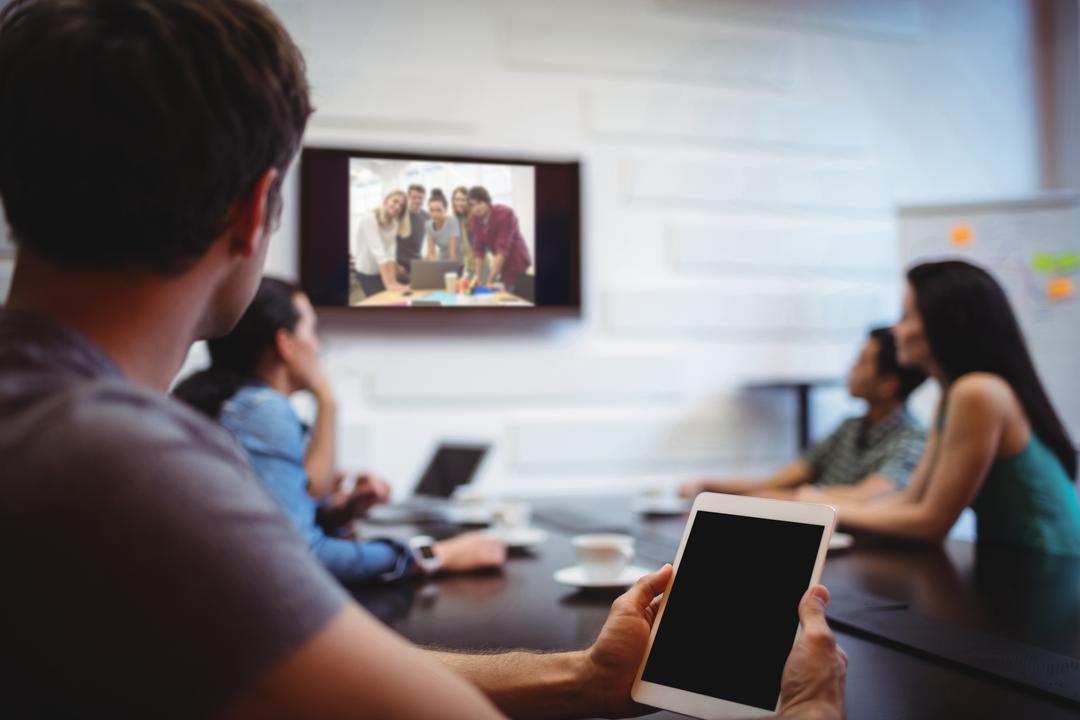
(451, 466)
(431, 274)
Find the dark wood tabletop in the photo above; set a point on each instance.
(993, 593)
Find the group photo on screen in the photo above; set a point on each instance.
(439, 233)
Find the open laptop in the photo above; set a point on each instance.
(452, 466)
(431, 274)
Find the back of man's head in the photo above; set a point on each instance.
(887, 365)
(129, 127)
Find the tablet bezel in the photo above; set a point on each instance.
(705, 706)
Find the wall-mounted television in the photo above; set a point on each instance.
(404, 231)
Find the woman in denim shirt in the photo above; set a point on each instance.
(271, 353)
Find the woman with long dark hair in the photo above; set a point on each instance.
(442, 232)
(270, 354)
(997, 444)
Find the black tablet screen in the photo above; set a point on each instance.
(733, 610)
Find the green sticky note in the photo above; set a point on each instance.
(1044, 263)
(1068, 262)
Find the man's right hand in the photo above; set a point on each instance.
(812, 687)
(692, 488)
(470, 551)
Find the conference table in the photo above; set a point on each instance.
(440, 298)
(959, 596)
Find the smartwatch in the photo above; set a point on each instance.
(423, 551)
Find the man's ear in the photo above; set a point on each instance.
(247, 216)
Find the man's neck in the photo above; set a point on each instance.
(144, 323)
(881, 410)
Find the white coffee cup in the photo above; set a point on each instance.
(603, 556)
(450, 281)
(512, 515)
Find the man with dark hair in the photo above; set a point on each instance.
(866, 456)
(409, 246)
(495, 229)
(146, 573)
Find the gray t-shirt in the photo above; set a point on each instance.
(145, 571)
(856, 451)
(441, 238)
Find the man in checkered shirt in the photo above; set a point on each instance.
(865, 457)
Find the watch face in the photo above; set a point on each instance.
(427, 552)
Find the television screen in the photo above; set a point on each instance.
(386, 230)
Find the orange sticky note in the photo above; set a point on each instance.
(962, 235)
(1061, 288)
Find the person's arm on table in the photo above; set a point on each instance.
(389, 273)
(503, 230)
(588, 683)
(371, 243)
(496, 268)
(790, 476)
(950, 474)
(869, 488)
(354, 667)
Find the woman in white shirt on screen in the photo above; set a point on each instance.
(374, 251)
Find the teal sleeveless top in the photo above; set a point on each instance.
(1028, 500)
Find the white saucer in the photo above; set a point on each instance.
(574, 576)
(841, 541)
(518, 537)
(479, 515)
(663, 505)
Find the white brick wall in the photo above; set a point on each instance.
(742, 159)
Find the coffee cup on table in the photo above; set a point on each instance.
(513, 515)
(450, 281)
(603, 556)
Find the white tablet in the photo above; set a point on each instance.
(729, 616)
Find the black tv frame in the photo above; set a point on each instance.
(324, 206)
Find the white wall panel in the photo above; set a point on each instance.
(623, 49)
(510, 377)
(701, 247)
(401, 103)
(687, 117)
(741, 184)
(894, 19)
(737, 427)
(717, 310)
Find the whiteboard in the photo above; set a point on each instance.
(1032, 247)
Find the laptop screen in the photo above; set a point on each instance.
(450, 466)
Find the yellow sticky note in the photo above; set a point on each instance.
(962, 235)
(1061, 288)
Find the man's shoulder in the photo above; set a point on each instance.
(907, 425)
(109, 427)
(848, 426)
